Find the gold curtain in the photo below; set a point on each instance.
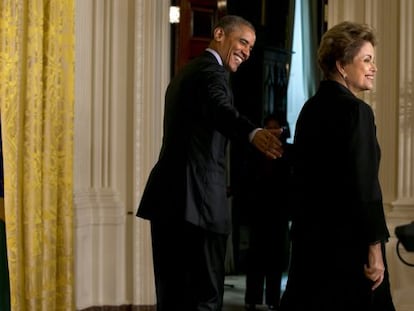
(36, 106)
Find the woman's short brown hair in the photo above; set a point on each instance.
(341, 43)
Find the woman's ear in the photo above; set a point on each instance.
(340, 68)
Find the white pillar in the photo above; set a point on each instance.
(152, 55)
(122, 68)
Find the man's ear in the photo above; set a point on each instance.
(219, 34)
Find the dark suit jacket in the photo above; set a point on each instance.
(189, 180)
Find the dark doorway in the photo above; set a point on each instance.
(260, 88)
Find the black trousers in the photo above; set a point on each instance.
(267, 258)
(188, 267)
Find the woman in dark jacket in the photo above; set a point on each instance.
(338, 229)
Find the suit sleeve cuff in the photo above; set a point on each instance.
(253, 133)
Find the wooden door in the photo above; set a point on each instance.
(193, 34)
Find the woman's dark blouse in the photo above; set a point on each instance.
(338, 206)
(338, 195)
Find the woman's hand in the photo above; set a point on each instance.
(375, 268)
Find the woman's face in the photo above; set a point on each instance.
(361, 71)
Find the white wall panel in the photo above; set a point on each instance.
(152, 52)
(104, 138)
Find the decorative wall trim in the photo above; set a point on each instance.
(101, 206)
(103, 135)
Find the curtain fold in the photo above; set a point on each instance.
(36, 105)
(310, 27)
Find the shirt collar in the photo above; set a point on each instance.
(216, 55)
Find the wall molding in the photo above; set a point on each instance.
(103, 135)
(99, 206)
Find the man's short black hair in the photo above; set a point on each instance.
(231, 22)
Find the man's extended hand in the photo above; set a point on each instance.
(267, 141)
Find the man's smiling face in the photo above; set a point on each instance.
(235, 46)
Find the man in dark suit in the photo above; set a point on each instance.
(185, 196)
